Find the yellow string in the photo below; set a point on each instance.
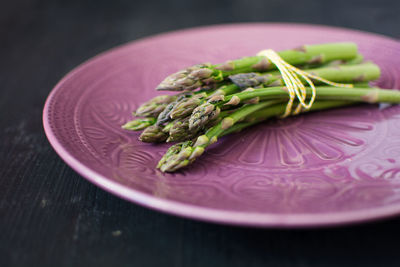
(293, 84)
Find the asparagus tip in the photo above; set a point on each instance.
(153, 134)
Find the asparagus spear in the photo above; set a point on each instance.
(154, 106)
(342, 73)
(153, 134)
(359, 58)
(371, 95)
(172, 153)
(139, 124)
(184, 107)
(269, 112)
(164, 116)
(179, 131)
(204, 74)
(182, 154)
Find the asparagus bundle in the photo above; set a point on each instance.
(216, 100)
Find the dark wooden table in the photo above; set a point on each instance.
(50, 216)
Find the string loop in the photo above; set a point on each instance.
(295, 87)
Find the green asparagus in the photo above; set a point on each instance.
(204, 74)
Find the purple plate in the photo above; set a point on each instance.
(332, 167)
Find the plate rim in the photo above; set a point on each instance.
(238, 218)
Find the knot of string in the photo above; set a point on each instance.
(293, 84)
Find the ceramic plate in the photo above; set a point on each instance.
(326, 168)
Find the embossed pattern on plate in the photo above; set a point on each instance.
(331, 167)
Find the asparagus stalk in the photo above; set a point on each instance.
(184, 107)
(179, 129)
(164, 116)
(139, 124)
(356, 60)
(153, 134)
(370, 95)
(196, 76)
(343, 73)
(154, 106)
(269, 112)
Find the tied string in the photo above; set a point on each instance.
(293, 84)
